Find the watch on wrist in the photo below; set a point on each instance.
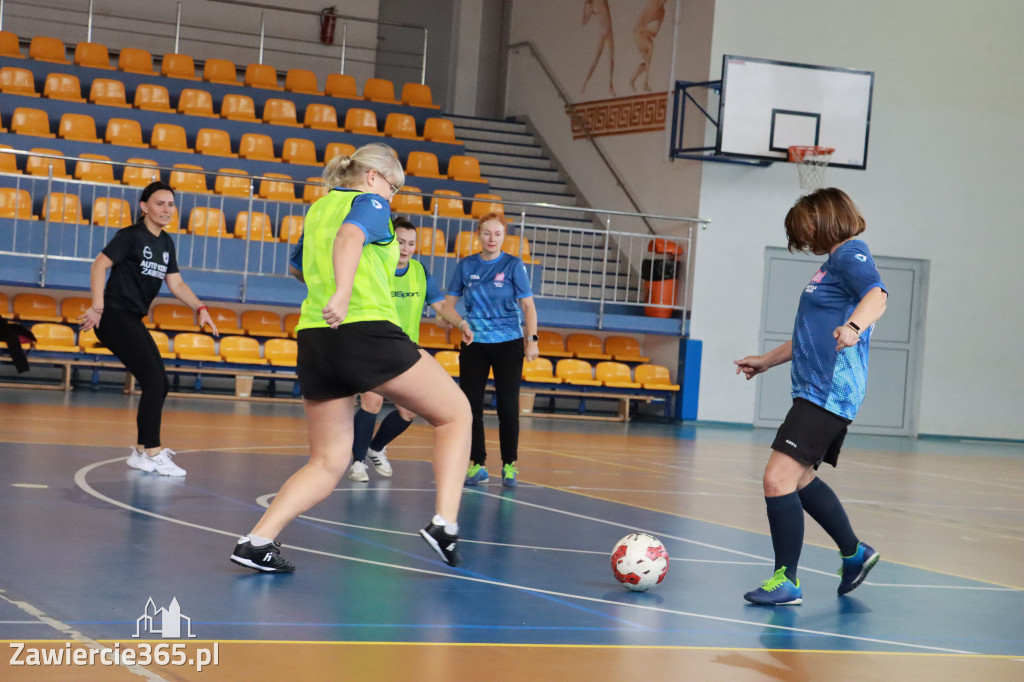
(534, 338)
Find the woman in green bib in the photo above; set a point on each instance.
(350, 341)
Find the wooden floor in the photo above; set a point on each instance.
(947, 516)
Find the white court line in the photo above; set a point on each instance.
(80, 481)
(64, 628)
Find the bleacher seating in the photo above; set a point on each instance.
(73, 307)
(408, 201)
(447, 204)
(79, 127)
(33, 122)
(32, 307)
(196, 347)
(237, 107)
(124, 132)
(624, 349)
(188, 178)
(214, 142)
(140, 175)
(196, 102)
(61, 207)
(614, 375)
(44, 166)
(92, 55)
(341, 85)
(16, 203)
(241, 350)
(232, 182)
(552, 345)
(541, 371)
(379, 90)
(418, 95)
(254, 225)
(280, 112)
(261, 76)
(47, 49)
(220, 71)
(9, 45)
(302, 81)
(17, 81)
(152, 97)
(111, 212)
(108, 92)
(135, 60)
(321, 117)
(586, 346)
(361, 121)
(176, 65)
(56, 338)
(64, 87)
(577, 372)
(263, 323)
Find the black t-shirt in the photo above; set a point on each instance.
(141, 262)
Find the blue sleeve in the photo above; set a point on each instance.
(521, 280)
(455, 284)
(857, 271)
(371, 214)
(434, 294)
(296, 258)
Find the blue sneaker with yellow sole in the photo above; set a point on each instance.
(476, 474)
(777, 591)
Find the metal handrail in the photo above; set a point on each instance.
(586, 131)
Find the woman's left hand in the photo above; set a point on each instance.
(845, 337)
(336, 310)
(532, 350)
(206, 320)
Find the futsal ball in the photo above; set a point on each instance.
(639, 561)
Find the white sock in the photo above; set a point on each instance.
(257, 541)
(450, 528)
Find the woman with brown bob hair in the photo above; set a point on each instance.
(829, 352)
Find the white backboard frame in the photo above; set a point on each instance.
(766, 106)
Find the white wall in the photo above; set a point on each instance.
(943, 181)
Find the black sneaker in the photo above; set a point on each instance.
(266, 558)
(443, 543)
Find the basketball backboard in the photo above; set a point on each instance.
(767, 106)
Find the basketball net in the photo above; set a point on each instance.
(811, 162)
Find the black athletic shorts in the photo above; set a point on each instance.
(355, 357)
(811, 434)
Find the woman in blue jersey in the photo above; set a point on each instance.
(499, 308)
(350, 341)
(829, 352)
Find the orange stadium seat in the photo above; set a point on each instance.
(226, 320)
(17, 81)
(418, 95)
(624, 349)
(552, 345)
(341, 85)
(379, 90)
(214, 142)
(151, 97)
(432, 336)
(72, 308)
(195, 102)
(46, 49)
(79, 127)
(578, 372)
(93, 55)
(290, 320)
(586, 347)
(302, 81)
(111, 212)
(277, 187)
(5, 304)
(124, 132)
(188, 178)
(263, 323)
(59, 207)
(261, 76)
(88, 342)
(169, 137)
(299, 150)
(54, 338)
(232, 182)
(238, 108)
(449, 360)
(254, 226)
(64, 87)
(207, 221)
(221, 71)
(337, 149)
(281, 352)
(38, 165)
(430, 241)
(464, 168)
(163, 344)
(321, 117)
(518, 246)
(422, 164)
(135, 60)
(174, 317)
(484, 204)
(439, 130)
(8, 162)
(291, 228)
(401, 125)
(280, 112)
(176, 65)
(15, 203)
(541, 371)
(36, 307)
(361, 121)
(257, 147)
(655, 377)
(241, 350)
(313, 190)
(140, 175)
(10, 46)
(109, 92)
(447, 204)
(408, 201)
(34, 122)
(615, 375)
(196, 347)
(466, 244)
(88, 170)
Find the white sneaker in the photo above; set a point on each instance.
(380, 462)
(358, 472)
(135, 460)
(162, 464)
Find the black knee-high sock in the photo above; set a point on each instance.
(362, 427)
(824, 506)
(391, 428)
(786, 521)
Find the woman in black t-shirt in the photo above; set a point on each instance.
(140, 258)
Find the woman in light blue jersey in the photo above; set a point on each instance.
(829, 352)
(500, 312)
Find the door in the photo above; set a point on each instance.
(894, 373)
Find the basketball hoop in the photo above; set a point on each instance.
(812, 162)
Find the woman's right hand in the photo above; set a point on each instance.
(751, 366)
(90, 319)
(336, 310)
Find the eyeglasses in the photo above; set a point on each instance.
(394, 188)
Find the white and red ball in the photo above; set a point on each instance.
(639, 561)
